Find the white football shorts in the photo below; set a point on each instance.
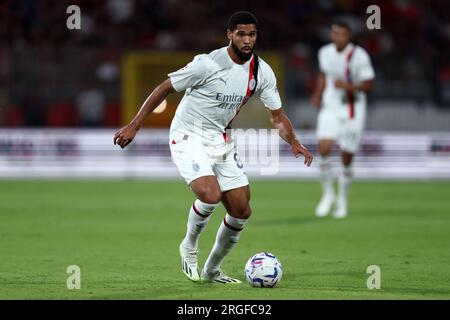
(336, 124)
(195, 159)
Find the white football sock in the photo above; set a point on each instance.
(199, 215)
(326, 175)
(227, 237)
(345, 178)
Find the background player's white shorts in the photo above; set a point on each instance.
(335, 124)
(195, 159)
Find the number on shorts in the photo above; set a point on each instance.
(239, 163)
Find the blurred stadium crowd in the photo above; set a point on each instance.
(55, 77)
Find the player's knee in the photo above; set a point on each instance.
(209, 195)
(347, 158)
(346, 161)
(325, 147)
(242, 212)
(324, 151)
(246, 213)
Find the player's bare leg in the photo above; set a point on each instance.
(208, 195)
(326, 178)
(236, 203)
(344, 182)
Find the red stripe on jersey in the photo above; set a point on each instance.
(249, 90)
(350, 95)
(250, 77)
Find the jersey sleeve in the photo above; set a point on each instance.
(193, 74)
(364, 68)
(269, 92)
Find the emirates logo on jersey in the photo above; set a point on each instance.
(229, 101)
(230, 98)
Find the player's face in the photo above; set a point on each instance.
(242, 40)
(340, 36)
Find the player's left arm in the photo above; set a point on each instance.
(270, 97)
(365, 86)
(281, 122)
(364, 70)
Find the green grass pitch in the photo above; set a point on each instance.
(124, 235)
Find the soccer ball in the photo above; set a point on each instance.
(263, 270)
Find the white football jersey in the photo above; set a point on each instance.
(334, 64)
(216, 88)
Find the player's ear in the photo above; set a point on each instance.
(229, 34)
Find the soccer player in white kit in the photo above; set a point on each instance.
(216, 85)
(346, 74)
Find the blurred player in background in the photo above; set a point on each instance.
(217, 85)
(346, 74)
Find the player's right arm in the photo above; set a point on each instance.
(126, 134)
(281, 122)
(194, 74)
(320, 87)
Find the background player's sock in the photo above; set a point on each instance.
(326, 175)
(227, 237)
(326, 180)
(199, 215)
(345, 178)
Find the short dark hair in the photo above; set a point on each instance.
(342, 24)
(241, 17)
